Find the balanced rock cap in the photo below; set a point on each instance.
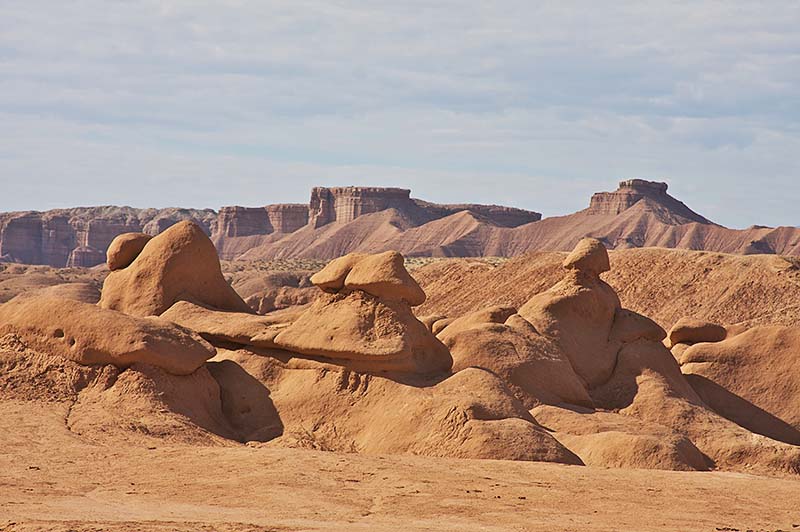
(124, 249)
(588, 256)
(383, 275)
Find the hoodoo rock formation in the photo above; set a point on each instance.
(569, 376)
(179, 264)
(367, 319)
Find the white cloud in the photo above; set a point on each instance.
(533, 104)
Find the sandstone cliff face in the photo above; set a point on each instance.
(345, 204)
(247, 221)
(79, 237)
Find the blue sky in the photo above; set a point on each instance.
(532, 104)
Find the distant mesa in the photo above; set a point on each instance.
(341, 220)
(632, 191)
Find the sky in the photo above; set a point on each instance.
(523, 103)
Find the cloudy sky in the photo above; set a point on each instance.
(532, 104)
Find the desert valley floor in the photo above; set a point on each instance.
(637, 389)
(51, 480)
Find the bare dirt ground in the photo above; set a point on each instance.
(52, 480)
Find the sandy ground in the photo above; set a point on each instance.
(51, 479)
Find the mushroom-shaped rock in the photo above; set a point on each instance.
(578, 313)
(692, 331)
(87, 334)
(179, 264)
(383, 275)
(368, 333)
(532, 366)
(589, 256)
(331, 278)
(124, 249)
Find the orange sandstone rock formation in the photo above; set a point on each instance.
(180, 264)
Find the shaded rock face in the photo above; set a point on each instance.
(21, 239)
(631, 191)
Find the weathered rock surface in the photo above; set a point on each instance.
(81, 236)
(607, 439)
(531, 365)
(179, 264)
(238, 221)
(632, 191)
(87, 334)
(468, 415)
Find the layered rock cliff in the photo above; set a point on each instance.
(341, 220)
(246, 221)
(632, 191)
(80, 236)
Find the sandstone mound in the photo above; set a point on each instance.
(382, 275)
(144, 404)
(752, 379)
(88, 334)
(531, 365)
(179, 264)
(469, 415)
(103, 404)
(691, 331)
(608, 439)
(124, 249)
(647, 384)
(368, 333)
